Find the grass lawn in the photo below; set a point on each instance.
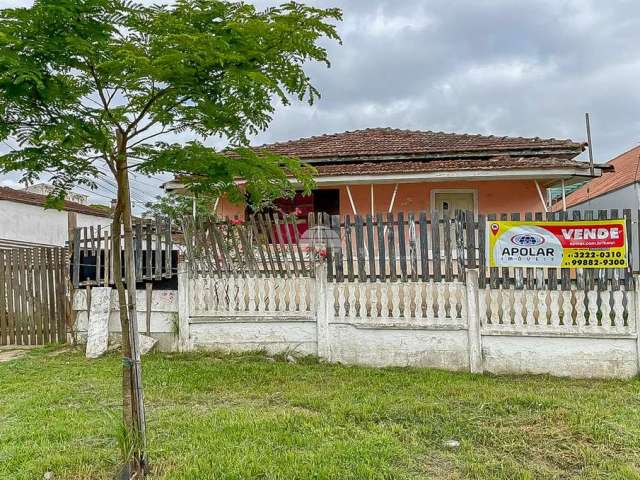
(246, 417)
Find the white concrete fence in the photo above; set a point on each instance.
(448, 325)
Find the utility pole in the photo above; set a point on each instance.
(591, 169)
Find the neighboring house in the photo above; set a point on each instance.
(383, 169)
(46, 189)
(25, 222)
(618, 189)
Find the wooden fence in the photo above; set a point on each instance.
(92, 253)
(33, 301)
(395, 247)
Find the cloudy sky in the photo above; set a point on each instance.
(503, 67)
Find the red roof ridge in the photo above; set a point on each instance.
(462, 136)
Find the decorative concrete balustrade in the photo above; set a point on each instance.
(449, 325)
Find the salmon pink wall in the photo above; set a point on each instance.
(493, 196)
(504, 196)
(228, 209)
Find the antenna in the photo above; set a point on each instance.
(586, 118)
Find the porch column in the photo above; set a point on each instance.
(544, 204)
(373, 208)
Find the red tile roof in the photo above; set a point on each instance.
(625, 170)
(19, 196)
(385, 142)
(493, 163)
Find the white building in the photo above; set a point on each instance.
(25, 222)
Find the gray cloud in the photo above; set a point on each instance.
(503, 67)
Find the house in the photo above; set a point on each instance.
(24, 222)
(618, 188)
(384, 169)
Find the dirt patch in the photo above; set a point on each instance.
(8, 355)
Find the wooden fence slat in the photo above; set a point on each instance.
(212, 255)
(148, 274)
(552, 273)
(471, 239)
(280, 244)
(53, 327)
(460, 228)
(446, 234)
(402, 248)
(45, 295)
(274, 244)
(85, 241)
(413, 252)
(296, 236)
(565, 273)
(579, 271)
(158, 249)
(239, 263)
(32, 320)
(494, 272)
(392, 247)
(360, 251)
(98, 255)
(325, 224)
(435, 246)
(76, 258)
(60, 297)
(348, 248)
(505, 270)
(616, 275)
(602, 272)
(539, 272)
(424, 246)
(482, 251)
(382, 261)
(371, 248)
(294, 261)
(11, 289)
(40, 317)
(588, 272)
(108, 262)
(137, 245)
(628, 272)
(168, 248)
(530, 278)
(4, 312)
(518, 273)
(247, 251)
(22, 332)
(337, 248)
(92, 245)
(258, 241)
(265, 234)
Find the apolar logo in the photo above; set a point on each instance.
(527, 245)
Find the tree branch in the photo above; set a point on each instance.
(105, 103)
(142, 140)
(146, 108)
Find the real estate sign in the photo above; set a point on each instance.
(566, 244)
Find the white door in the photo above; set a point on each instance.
(449, 202)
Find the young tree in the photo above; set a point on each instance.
(177, 206)
(88, 87)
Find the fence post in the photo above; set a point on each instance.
(184, 344)
(473, 322)
(323, 299)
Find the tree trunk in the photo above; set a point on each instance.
(133, 398)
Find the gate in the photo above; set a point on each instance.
(33, 301)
